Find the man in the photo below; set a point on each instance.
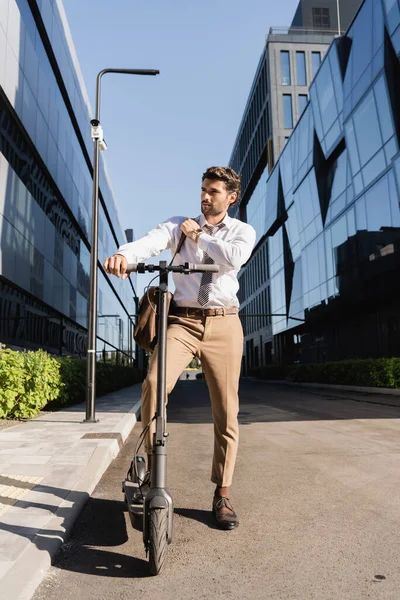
(204, 320)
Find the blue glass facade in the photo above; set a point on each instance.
(45, 192)
(331, 204)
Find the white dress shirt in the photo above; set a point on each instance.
(230, 247)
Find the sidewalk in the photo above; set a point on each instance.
(48, 469)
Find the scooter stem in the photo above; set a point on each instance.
(159, 463)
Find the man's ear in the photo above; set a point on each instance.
(234, 198)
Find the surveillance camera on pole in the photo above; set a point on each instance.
(97, 134)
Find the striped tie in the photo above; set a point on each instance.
(206, 278)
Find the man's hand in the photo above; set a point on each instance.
(116, 265)
(189, 228)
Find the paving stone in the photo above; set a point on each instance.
(69, 460)
(13, 540)
(5, 566)
(34, 470)
(6, 444)
(20, 450)
(30, 459)
(13, 488)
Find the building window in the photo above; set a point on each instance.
(316, 62)
(287, 111)
(301, 68)
(285, 67)
(321, 18)
(303, 99)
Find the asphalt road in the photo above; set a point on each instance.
(317, 488)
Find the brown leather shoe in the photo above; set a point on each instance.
(223, 513)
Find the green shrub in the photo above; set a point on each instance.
(369, 372)
(28, 381)
(73, 376)
(110, 377)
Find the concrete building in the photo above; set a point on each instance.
(293, 58)
(326, 210)
(325, 14)
(45, 192)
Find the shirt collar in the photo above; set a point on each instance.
(226, 221)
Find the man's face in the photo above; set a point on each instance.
(215, 198)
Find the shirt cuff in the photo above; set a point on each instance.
(204, 240)
(130, 259)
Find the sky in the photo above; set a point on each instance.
(163, 132)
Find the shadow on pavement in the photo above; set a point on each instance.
(202, 516)
(102, 523)
(103, 563)
(260, 403)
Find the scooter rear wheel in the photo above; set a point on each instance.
(158, 539)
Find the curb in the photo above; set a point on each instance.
(30, 568)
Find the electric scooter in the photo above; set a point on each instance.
(154, 502)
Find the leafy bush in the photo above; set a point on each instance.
(370, 372)
(28, 381)
(110, 377)
(31, 380)
(73, 376)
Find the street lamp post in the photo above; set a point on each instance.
(99, 144)
(338, 18)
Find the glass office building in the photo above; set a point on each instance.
(328, 213)
(278, 97)
(45, 192)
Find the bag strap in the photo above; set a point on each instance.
(179, 246)
(180, 243)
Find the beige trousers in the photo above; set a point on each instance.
(218, 342)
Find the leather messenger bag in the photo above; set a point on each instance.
(145, 333)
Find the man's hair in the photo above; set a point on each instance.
(228, 176)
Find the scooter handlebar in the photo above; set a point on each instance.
(185, 268)
(132, 268)
(193, 268)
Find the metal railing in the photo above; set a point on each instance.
(301, 31)
(255, 315)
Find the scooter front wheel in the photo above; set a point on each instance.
(158, 539)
